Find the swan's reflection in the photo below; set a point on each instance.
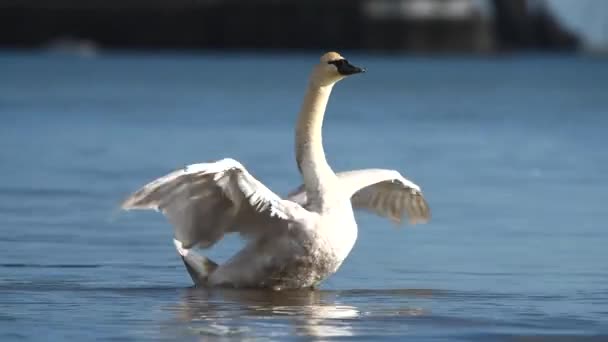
(321, 314)
(225, 312)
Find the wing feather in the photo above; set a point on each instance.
(205, 201)
(384, 192)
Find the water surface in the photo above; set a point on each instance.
(510, 153)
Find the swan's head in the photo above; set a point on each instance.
(332, 68)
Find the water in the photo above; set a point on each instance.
(509, 151)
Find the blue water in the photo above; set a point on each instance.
(510, 152)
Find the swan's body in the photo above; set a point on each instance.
(294, 242)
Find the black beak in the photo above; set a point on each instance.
(345, 68)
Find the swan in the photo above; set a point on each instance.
(291, 242)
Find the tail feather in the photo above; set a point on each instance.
(198, 266)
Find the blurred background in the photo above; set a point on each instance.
(466, 26)
(497, 108)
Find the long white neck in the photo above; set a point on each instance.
(310, 156)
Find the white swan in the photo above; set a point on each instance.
(292, 243)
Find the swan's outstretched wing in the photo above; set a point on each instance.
(384, 192)
(205, 201)
(387, 193)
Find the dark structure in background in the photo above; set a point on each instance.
(385, 25)
(520, 26)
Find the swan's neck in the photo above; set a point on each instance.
(318, 175)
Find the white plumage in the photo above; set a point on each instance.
(292, 243)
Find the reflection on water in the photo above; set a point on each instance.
(227, 312)
(366, 314)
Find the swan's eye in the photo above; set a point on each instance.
(345, 68)
(338, 62)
